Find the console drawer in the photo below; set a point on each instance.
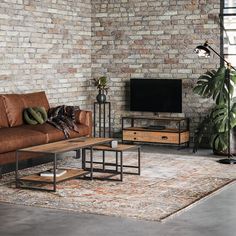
(156, 137)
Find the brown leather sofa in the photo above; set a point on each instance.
(15, 134)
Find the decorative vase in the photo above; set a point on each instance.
(101, 97)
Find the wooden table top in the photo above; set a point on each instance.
(66, 145)
(120, 147)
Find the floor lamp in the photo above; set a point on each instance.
(204, 51)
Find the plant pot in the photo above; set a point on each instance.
(101, 97)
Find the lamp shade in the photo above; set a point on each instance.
(202, 51)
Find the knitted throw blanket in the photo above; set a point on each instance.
(63, 118)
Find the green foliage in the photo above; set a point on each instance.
(204, 127)
(101, 83)
(221, 119)
(214, 85)
(219, 141)
(205, 84)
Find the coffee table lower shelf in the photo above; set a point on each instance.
(36, 178)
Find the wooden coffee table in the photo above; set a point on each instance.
(54, 149)
(119, 162)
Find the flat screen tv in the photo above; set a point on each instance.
(156, 95)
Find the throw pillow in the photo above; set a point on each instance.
(35, 115)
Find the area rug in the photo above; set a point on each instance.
(168, 184)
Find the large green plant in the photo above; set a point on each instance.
(213, 85)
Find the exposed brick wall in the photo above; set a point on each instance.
(153, 39)
(46, 45)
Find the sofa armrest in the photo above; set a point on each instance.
(85, 118)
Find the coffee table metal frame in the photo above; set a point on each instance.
(119, 164)
(81, 145)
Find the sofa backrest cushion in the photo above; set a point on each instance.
(14, 108)
(3, 114)
(38, 99)
(16, 103)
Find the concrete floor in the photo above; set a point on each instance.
(215, 216)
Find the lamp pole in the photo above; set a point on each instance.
(228, 85)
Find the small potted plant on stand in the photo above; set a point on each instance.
(101, 84)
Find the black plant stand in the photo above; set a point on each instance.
(104, 111)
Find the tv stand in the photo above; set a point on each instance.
(163, 134)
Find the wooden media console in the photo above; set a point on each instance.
(163, 134)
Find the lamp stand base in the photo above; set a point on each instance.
(227, 161)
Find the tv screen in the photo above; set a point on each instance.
(156, 95)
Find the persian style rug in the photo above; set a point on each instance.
(168, 184)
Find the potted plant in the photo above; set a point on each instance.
(213, 85)
(101, 85)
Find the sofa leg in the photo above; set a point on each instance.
(78, 155)
(1, 171)
(29, 163)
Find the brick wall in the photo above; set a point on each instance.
(46, 45)
(153, 39)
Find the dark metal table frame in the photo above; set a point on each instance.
(119, 164)
(102, 127)
(54, 181)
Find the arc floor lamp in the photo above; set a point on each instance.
(205, 51)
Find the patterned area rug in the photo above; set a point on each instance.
(168, 183)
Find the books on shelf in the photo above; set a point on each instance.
(49, 173)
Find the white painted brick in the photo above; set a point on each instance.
(59, 45)
(34, 47)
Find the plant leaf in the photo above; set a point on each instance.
(214, 84)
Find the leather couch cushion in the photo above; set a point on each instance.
(14, 138)
(53, 134)
(3, 114)
(84, 118)
(10, 157)
(37, 99)
(80, 117)
(16, 103)
(14, 108)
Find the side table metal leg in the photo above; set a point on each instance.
(83, 158)
(94, 122)
(103, 160)
(104, 121)
(100, 121)
(121, 166)
(91, 163)
(139, 161)
(78, 154)
(54, 173)
(117, 161)
(109, 119)
(17, 168)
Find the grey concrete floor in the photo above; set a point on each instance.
(215, 216)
